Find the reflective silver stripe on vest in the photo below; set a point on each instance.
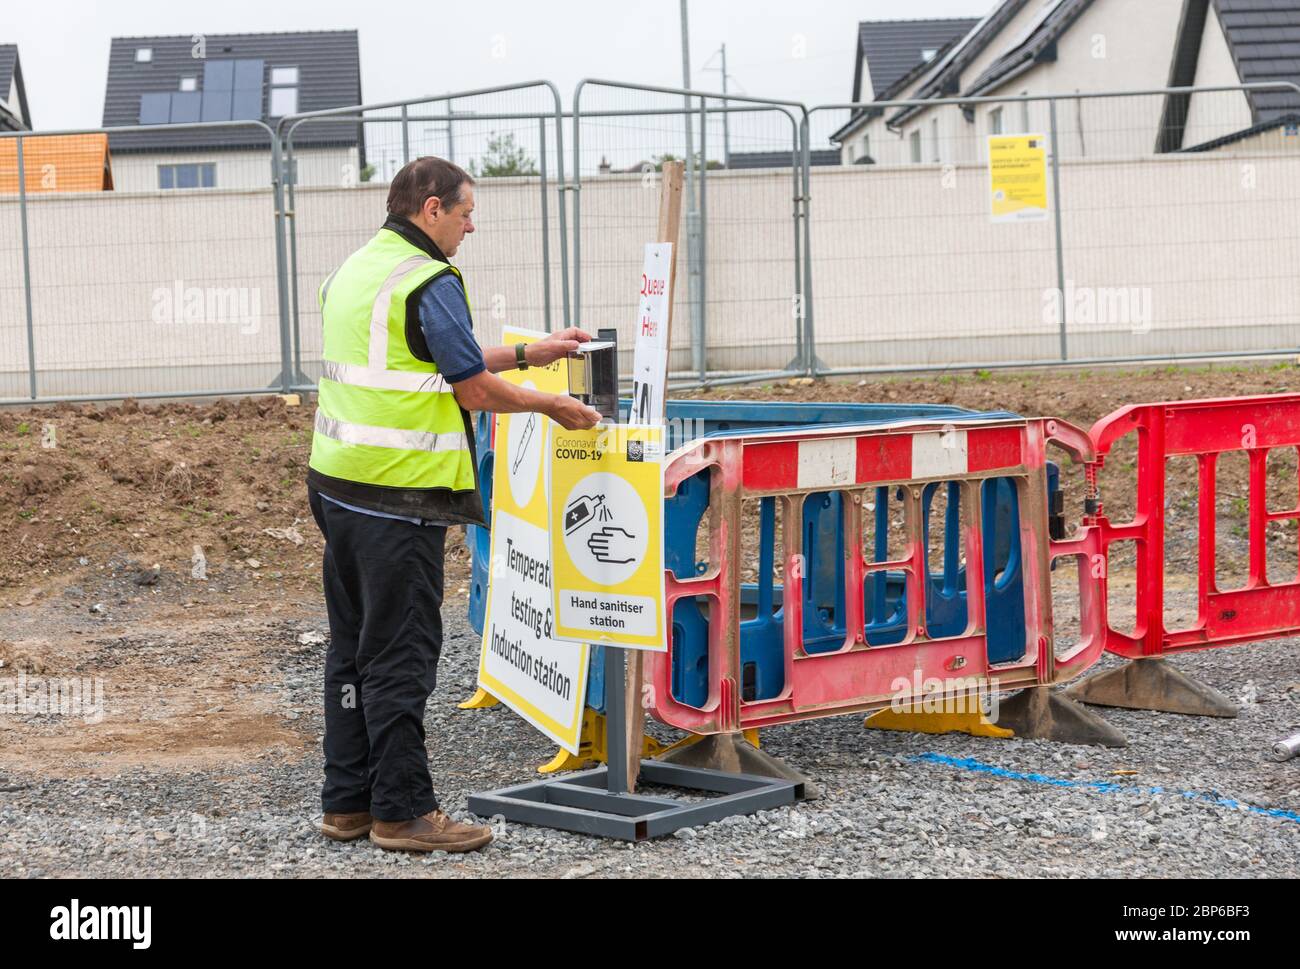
(325, 288)
(379, 312)
(409, 380)
(390, 437)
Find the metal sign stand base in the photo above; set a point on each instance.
(592, 802)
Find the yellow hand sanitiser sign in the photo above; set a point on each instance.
(606, 512)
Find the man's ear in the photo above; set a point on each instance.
(431, 206)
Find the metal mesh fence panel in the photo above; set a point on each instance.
(513, 261)
(737, 302)
(152, 272)
(1169, 232)
(14, 377)
(908, 269)
(1177, 239)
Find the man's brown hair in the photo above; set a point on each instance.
(421, 180)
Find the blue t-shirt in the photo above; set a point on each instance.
(449, 332)
(448, 329)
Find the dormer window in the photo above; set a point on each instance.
(190, 83)
(144, 55)
(929, 53)
(284, 91)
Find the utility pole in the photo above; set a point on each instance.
(451, 138)
(726, 127)
(686, 102)
(694, 238)
(726, 130)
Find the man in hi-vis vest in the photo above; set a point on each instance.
(392, 465)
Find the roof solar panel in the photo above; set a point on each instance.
(155, 108)
(185, 106)
(248, 74)
(218, 75)
(247, 105)
(216, 105)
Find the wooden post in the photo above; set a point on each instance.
(670, 218)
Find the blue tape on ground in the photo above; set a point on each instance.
(1105, 787)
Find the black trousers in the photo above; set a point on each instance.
(383, 592)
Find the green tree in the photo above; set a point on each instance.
(503, 157)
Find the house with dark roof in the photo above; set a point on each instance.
(246, 81)
(1228, 42)
(14, 115)
(891, 56)
(1036, 47)
(781, 159)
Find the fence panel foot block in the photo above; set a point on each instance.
(1040, 714)
(1152, 684)
(733, 754)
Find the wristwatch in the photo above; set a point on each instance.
(520, 360)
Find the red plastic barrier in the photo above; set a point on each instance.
(1268, 605)
(855, 461)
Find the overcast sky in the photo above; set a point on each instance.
(409, 49)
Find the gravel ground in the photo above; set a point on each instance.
(893, 804)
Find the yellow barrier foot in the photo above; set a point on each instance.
(291, 400)
(563, 760)
(592, 747)
(481, 700)
(919, 721)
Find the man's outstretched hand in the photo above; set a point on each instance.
(571, 413)
(554, 346)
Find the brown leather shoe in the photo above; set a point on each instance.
(433, 832)
(346, 827)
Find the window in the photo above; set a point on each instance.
(144, 55)
(995, 121)
(199, 175)
(915, 140)
(284, 100)
(934, 139)
(284, 91)
(1024, 114)
(928, 54)
(852, 154)
(866, 146)
(190, 83)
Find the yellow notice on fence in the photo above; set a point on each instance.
(522, 663)
(607, 500)
(1018, 177)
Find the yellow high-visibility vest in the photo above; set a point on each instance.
(384, 417)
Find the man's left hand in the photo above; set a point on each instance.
(555, 346)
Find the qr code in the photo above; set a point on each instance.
(636, 450)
